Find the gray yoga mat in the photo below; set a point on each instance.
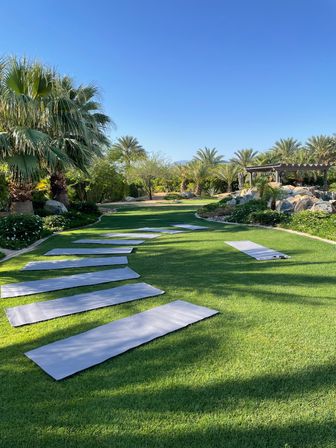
(145, 236)
(90, 251)
(66, 357)
(161, 230)
(41, 311)
(256, 250)
(189, 226)
(79, 263)
(66, 282)
(105, 241)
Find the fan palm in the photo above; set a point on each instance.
(208, 156)
(228, 173)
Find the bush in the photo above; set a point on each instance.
(172, 196)
(2, 255)
(241, 213)
(87, 207)
(55, 223)
(18, 231)
(316, 223)
(268, 217)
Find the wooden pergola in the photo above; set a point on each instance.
(281, 168)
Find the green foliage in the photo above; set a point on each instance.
(268, 217)
(18, 231)
(172, 196)
(70, 220)
(321, 224)
(2, 255)
(55, 223)
(4, 192)
(241, 213)
(86, 207)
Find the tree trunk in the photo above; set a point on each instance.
(198, 189)
(183, 186)
(58, 187)
(229, 188)
(241, 181)
(21, 197)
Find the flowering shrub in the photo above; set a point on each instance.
(55, 223)
(17, 231)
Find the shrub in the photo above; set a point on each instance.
(172, 196)
(18, 231)
(224, 200)
(55, 223)
(268, 217)
(87, 207)
(2, 255)
(241, 213)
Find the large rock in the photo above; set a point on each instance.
(284, 206)
(303, 203)
(322, 206)
(188, 194)
(55, 207)
(129, 199)
(303, 191)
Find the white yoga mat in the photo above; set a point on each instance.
(79, 263)
(145, 236)
(90, 251)
(113, 242)
(66, 282)
(161, 230)
(66, 357)
(256, 250)
(189, 226)
(41, 311)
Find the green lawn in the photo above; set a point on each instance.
(260, 374)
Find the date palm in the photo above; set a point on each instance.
(127, 150)
(199, 172)
(244, 158)
(208, 156)
(322, 148)
(228, 172)
(182, 171)
(284, 150)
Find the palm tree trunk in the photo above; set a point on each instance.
(229, 187)
(183, 186)
(58, 187)
(21, 197)
(198, 189)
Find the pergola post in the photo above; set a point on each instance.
(325, 180)
(277, 177)
(251, 179)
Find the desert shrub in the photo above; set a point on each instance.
(268, 217)
(18, 231)
(87, 207)
(321, 224)
(241, 213)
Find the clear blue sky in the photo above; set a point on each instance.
(181, 74)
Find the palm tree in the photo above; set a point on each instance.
(25, 111)
(127, 150)
(198, 172)
(182, 171)
(228, 173)
(284, 150)
(322, 148)
(243, 158)
(81, 134)
(208, 156)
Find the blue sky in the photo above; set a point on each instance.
(182, 74)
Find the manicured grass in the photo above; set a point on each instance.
(261, 374)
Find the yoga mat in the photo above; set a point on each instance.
(67, 281)
(161, 230)
(105, 241)
(145, 236)
(90, 251)
(190, 226)
(79, 263)
(256, 250)
(66, 357)
(41, 311)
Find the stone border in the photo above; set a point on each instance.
(295, 232)
(15, 253)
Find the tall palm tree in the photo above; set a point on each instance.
(81, 134)
(228, 172)
(199, 172)
(209, 156)
(127, 149)
(322, 148)
(182, 170)
(244, 158)
(284, 150)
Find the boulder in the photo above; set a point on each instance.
(129, 199)
(284, 206)
(303, 191)
(322, 206)
(303, 203)
(55, 207)
(187, 194)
